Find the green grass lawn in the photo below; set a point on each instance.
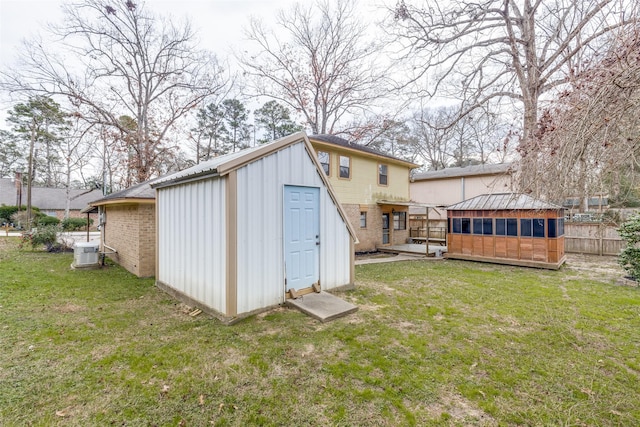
(434, 343)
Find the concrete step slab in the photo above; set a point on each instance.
(322, 306)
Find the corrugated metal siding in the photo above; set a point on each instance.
(191, 240)
(260, 228)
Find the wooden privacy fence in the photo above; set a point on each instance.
(592, 238)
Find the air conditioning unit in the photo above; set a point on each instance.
(86, 254)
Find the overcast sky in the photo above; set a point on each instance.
(219, 22)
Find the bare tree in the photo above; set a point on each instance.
(320, 64)
(586, 143)
(515, 49)
(433, 136)
(74, 151)
(122, 60)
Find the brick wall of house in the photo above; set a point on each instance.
(370, 237)
(147, 240)
(120, 232)
(131, 230)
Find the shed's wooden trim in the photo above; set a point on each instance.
(231, 214)
(352, 263)
(157, 227)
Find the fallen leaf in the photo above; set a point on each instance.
(220, 407)
(63, 413)
(201, 400)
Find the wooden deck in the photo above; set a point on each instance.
(414, 248)
(421, 240)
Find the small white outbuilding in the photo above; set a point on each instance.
(237, 233)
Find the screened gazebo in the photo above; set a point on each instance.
(507, 228)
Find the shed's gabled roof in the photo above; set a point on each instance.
(477, 170)
(343, 143)
(222, 165)
(142, 191)
(502, 201)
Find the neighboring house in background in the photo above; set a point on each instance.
(452, 185)
(128, 228)
(372, 187)
(50, 201)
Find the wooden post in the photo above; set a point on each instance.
(426, 240)
(88, 219)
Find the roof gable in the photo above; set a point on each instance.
(222, 165)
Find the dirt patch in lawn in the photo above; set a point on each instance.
(598, 267)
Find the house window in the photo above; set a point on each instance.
(325, 161)
(382, 174)
(399, 220)
(345, 167)
(363, 220)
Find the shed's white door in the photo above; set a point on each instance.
(301, 236)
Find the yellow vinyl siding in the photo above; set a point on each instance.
(363, 187)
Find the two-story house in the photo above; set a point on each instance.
(372, 187)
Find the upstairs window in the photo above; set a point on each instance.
(325, 160)
(345, 167)
(382, 174)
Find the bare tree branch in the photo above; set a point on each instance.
(122, 61)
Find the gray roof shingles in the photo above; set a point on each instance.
(46, 198)
(487, 169)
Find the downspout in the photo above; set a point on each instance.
(103, 231)
(462, 188)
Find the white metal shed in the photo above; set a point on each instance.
(236, 233)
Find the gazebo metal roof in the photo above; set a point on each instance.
(503, 201)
